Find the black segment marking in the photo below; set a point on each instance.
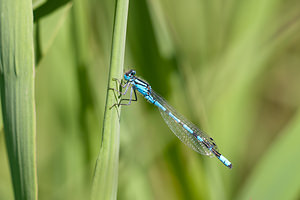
(141, 82)
(216, 153)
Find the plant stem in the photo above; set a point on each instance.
(105, 180)
(17, 94)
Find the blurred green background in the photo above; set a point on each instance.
(231, 67)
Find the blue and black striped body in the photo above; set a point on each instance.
(182, 128)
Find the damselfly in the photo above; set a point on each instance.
(186, 131)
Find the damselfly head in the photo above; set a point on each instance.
(129, 75)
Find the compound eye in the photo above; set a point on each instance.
(128, 73)
(133, 72)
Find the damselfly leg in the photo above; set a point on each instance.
(127, 85)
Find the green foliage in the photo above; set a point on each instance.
(17, 95)
(231, 67)
(282, 152)
(105, 181)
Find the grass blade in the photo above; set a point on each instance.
(274, 177)
(47, 27)
(106, 172)
(17, 94)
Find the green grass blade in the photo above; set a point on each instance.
(17, 94)
(276, 177)
(1, 121)
(47, 27)
(106, 172)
